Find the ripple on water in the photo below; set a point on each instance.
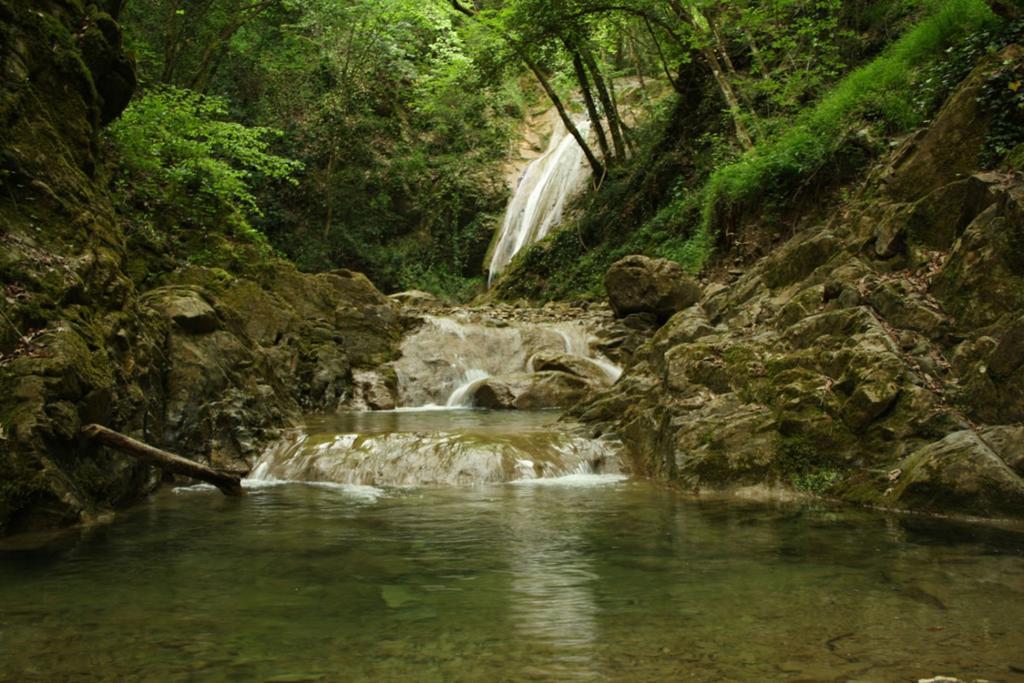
(511, 582)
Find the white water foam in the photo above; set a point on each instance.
(576, 480)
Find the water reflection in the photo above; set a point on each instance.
(621, 581)
(551, 598)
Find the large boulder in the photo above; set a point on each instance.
(962, 473)
(640, 284)
(187, 309)
(1008, 357)
(949, 149)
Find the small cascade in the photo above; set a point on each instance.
(433, 449)
(432, 439)
(446, 360)
(547, 184)
(462, 397)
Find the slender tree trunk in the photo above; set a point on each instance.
(588, 99)
(755, 51)
(207, 62)
(723, 50)
(610, 110)
(638, 65)
(328, 190)
(595, 165)
(114, 8)
(661, 57)
(732, 101)
(627, 134)
(570, 125)
(171, 40)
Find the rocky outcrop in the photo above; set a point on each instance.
(639, 284)
(875, 359)
(207, 364)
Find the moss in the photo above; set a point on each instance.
(801, 461)
(19, 484)
(739, 355)
(1015, 158)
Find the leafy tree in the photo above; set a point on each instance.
(181, 160)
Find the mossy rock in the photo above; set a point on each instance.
(960, 473)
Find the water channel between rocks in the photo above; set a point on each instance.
(441, 543)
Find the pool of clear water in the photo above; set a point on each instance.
(592, 579)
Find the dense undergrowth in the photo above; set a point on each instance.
(715, 192)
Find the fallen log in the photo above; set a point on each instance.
(229, 485)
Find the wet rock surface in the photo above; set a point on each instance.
(505, 357)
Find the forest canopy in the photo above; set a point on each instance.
(375, 134)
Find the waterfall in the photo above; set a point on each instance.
(539, 200)
(462, 397)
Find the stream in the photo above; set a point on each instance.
(443, 542)
(584, 578)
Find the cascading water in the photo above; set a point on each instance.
(432, 439)
(540, 198)
(445, 359)
(434, 448)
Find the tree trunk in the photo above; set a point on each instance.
(328, 190)
(171, 40)
(695, 19)
(723, 50)
(114, 8)
(755, 52)
(595, 165)
(638, 65)
(229, 484)
(661, 57)
(731, 100)
(610, 110)
(207, 63)
(588, 98)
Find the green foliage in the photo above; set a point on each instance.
(181, 162)
(402, 112)
(1002, 95)
(893, 92)
(807, 469)
(881, 92)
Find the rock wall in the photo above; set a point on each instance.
(208, 364)
(877, 358)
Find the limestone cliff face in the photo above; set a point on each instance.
(877, 358)
(207, 364)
